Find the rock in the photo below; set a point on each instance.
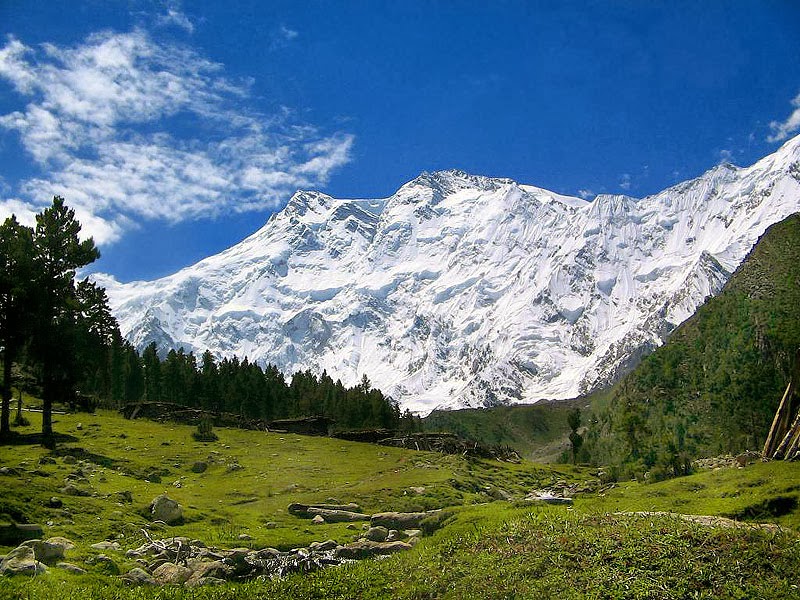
(138, 576)
(70, 568)
(199, 467)
(69, 459)
(245, 537)
(106, 545)
(366, 548)
(79, 426)
(170, 573)
(324, 546)
(163, 508)
(394, 535)
(204, 581)
(234, 467)
(377, 534)
(318, 520)
(22, 561)
(50, 550)
(270, 525)
(124, 496)
(395, 520)
(55, 502)
(12, 534)
(301, 510)
(418, 490)
(72, 490)
(47, 460)
(204, 570)
(336, 516)
(547, 498)
(153, 477)
(413, 532)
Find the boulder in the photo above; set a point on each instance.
(170, 573)
(366, 548)
(55, 502)
(22, 561)
(301, 510)
(163, 508)
(50, 550)
(208, 570)
(377, 534)
(199, 467)
(106, 545)
(138, 576)
(70, 568)
(318, 520)
(336, 516)
(397, 520)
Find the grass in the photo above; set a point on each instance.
(485, 548)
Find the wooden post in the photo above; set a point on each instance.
(780, 423)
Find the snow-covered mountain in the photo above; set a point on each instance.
(464, 290)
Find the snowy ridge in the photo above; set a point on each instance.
(461, 290)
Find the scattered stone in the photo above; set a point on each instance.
(50, 550)
(138, 576)
(68, 459)
(351, 526)
(79, 426)
(70, 568)
(106, 545)
(547, 498)
(377, 534)
(418, 490)
(270, 525)
(324, 546)
(234, 467)
(245, 537)
(153, 477)
(396, 520)
(70, 489)
(47, 460)
(366, 548)
(55, 502)
(302, 510)
(9, 471)
(318, 520)
(124, 496)
(163, 508)
(413, 533)
(177, 484)
(199, 467)
(394, 536)
(171, 573)
(22, 561)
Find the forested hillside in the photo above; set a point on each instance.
(715, 385)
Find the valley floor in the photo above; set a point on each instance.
(487, 542)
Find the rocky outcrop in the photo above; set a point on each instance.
(22, 561)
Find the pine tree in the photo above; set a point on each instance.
(57, 253)
(16, 251)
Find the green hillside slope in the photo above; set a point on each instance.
(714, 386)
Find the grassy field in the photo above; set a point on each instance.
(486, 548)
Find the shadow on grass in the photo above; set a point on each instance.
(35, 439)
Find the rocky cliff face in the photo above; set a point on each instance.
(461, 290)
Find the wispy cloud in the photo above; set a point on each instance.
(128, 128)
(586, 194)
(176, 18)
(783, 129)
(625, 181)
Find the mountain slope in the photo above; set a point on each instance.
(461, 290)
(715, 385)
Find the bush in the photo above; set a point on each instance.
(205, 432)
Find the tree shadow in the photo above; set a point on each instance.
(35, 439)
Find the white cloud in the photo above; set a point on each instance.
(586, 194)
(625, 181)
(288, 34)
(725, 155)
(119, 125)
(175, 17)
(782, 130)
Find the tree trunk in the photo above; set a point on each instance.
(48, 440)
(5, 414)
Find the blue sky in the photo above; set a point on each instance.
(175, 129)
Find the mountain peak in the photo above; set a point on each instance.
(466, 290)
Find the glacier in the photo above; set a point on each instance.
(462, 290)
